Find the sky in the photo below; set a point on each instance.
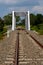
(34, 6)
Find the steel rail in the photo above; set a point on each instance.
(34, 39)
(17, 50)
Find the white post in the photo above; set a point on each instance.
(13, 21)
(8, 33)
(28, 21)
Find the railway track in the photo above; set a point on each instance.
(36, 38)
(28, 50)
(23, 50)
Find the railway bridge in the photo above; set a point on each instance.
(22, 47)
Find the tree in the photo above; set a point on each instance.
(17, 18)
(8, 19)
(1, 25)
(32, 19)
(39, 19)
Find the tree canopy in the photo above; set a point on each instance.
(36, 19)
(8, 19)
(1, 25)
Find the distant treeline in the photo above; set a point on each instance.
(35, 20)
(37, 23)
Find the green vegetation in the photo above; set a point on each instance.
(7, 19)
(36, 22)
(1, 28)
(17, 18)
(1, 25)
(22, 24)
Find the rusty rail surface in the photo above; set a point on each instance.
(17, 50)
(34, 39)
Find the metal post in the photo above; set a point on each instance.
(28, 21)
(13, 21)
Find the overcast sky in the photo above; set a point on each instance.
(34, 6)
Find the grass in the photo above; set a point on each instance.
(40, 32)
(38, 28)
(21, 25)
(2, 33)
